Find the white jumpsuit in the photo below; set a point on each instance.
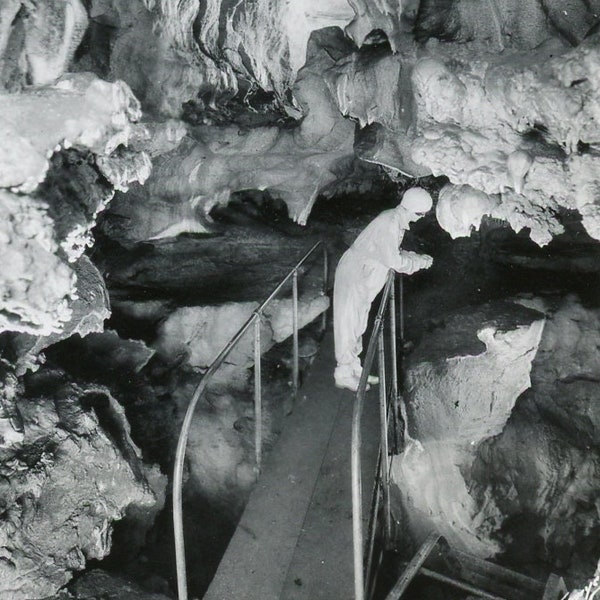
(360, 276)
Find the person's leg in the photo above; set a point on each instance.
(371, 280)
(350, 314)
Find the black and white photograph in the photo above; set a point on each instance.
(299, 299)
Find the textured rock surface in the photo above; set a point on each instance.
(566, 373)
(473, 118)
(237, 265)
(294, 164)
(98, 584)
(45, 230)
(38, 40)
(461, 390)
(456, 108)
(36, 284)
(89, 309)
(518, 127)
(79, 110)
(504, 459)
(509, 126)
(215, 48)
(545, 467)
(74, 473)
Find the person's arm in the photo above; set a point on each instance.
(409, 262)
(379, 243)
(402, 261)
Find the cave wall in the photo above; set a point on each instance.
(462, 383)
(70, 472)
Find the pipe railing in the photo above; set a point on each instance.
(376, 344)
(254, 320)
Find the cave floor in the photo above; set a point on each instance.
(294, 539)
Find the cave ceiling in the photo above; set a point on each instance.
(154, 112)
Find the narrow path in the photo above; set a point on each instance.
(294, 540)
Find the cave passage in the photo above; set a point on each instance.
(164, 164)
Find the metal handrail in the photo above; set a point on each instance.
(376, 342)
(255, 319)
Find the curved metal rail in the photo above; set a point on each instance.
(255, 319)
(376, 343)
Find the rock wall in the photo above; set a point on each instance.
(52, 196)
(501, 99)
(502, 456)
(66, 478)
(462, 384)
(546, 462)
(69, 466)
(198, 334)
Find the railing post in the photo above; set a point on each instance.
(295, 366)
(385, 474)
(180, 566)
(401, 295)
(375, 342)
(325, 269)
(394, 365)
(357, 524)
(325, 278)
(257, 394)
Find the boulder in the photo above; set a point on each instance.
(462, 383)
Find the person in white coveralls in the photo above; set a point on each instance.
(361, 274)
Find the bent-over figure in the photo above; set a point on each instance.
(361, 274)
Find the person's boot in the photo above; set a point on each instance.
(371, 379)
(350, 382)
(346, 378)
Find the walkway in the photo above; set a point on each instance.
(294, 540)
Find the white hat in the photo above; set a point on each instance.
(417, 200)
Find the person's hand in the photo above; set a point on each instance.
(426, 261)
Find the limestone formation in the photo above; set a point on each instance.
(74, 473)
(212, 162)
(443, 108)
(39, 39)
(556, 482)
(491, 445)
(207, 53)
(461, 392)
(79, 110)
(51, 226)
(36, 284)
(460, 209)
(510, 126)
(89, 309)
